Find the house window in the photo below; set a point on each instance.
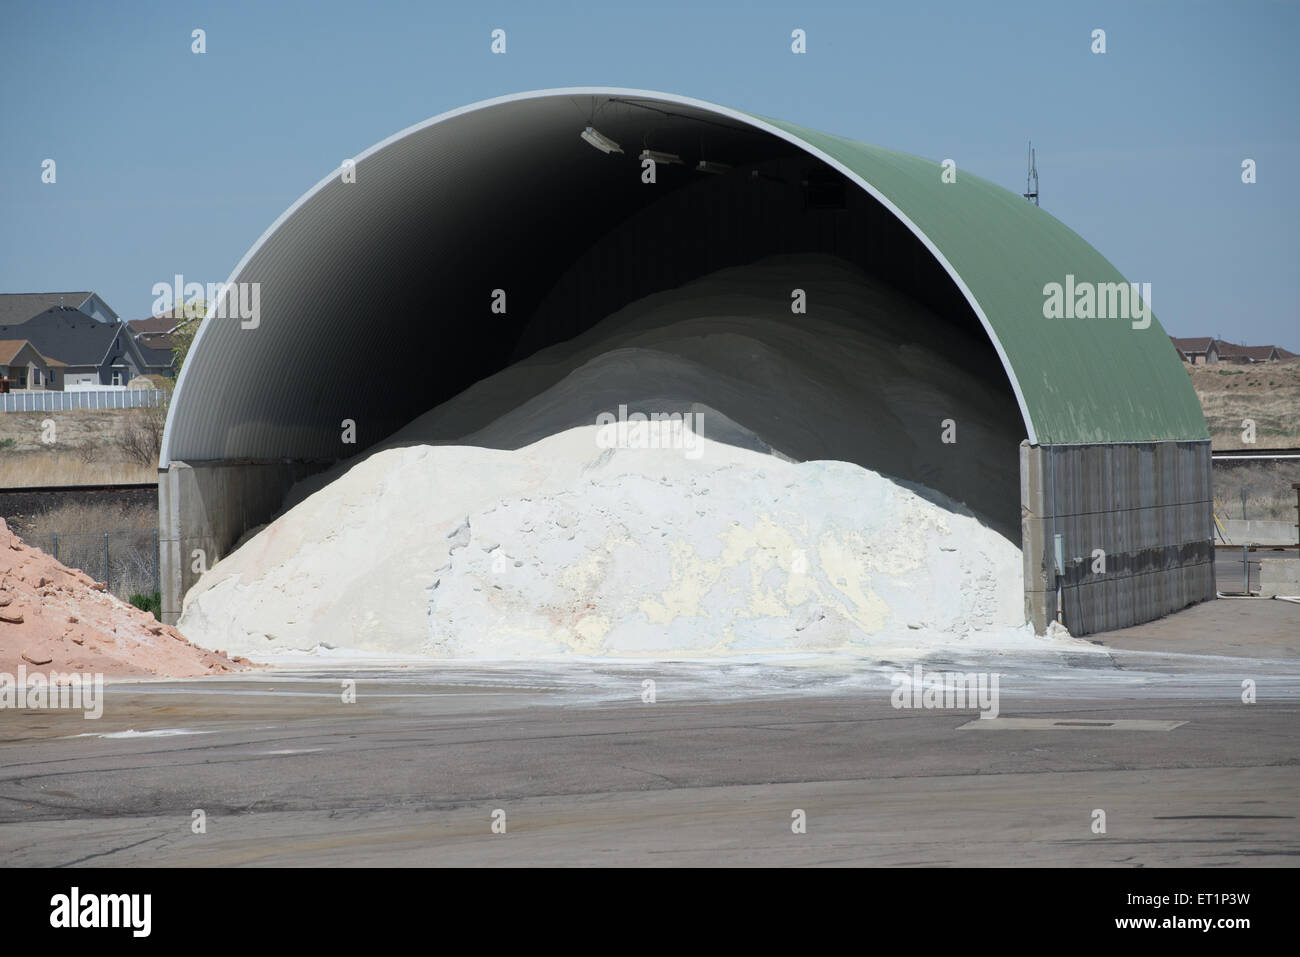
(117, 377)
(36, 377)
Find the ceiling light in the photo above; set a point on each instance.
(661, 159)
(708, 166)
(600, 141)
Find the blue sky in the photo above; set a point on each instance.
(171, 162)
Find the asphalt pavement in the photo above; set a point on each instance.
(756, 763)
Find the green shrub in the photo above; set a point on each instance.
(150, 603)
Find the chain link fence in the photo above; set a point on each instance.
(1258, 490)
(126, 560)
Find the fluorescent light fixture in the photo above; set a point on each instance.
(661, 159)
(600, 141)
(708, 166)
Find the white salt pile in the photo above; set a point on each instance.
(564, 547)
(529, 537)
(865, 376)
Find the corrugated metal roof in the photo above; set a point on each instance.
(1079, 380)
(449, 194)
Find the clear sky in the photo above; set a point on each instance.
(171, 162)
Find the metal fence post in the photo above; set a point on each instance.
(56, 546)
(1296, 486)
(108, 574)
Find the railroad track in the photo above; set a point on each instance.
(1256, 454)
(79, 488)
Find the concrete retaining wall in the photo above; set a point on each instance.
(1148, 508)
(1259, 532)
(207, 506)
(1279, 576)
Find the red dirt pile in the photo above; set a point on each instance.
(59, 618)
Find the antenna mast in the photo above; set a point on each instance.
(1031, 178)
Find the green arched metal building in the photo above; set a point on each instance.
(384, 268)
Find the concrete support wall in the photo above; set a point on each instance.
(1147, 505)
(209, 506)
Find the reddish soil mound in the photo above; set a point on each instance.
(59, 619)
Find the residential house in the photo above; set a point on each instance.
(94, 352)
(163, 324)
(1246, 355)
(1207, 349)
(158, 361)
(23, 368)
(155, 337)
(18, 307)
(1196, 352)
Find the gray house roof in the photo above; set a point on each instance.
(16, 307)
(158, 360)
(73, 337)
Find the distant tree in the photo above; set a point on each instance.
(182, 339)
(191, 314)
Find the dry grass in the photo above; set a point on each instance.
(90, 447)
(77, 533)
(1269, 495)
(19, 470)
(141, 438)
(92, 518)
(1269, 393)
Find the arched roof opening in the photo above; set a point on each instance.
(374, 295)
